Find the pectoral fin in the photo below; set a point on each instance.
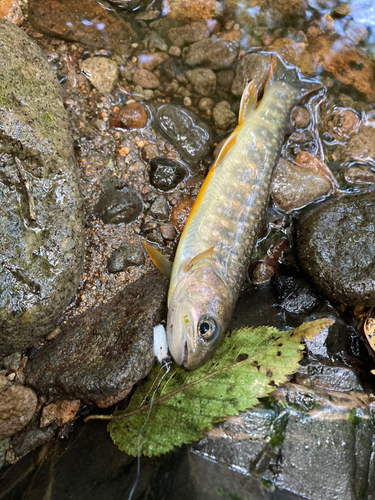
(248, 102)
(225, 148)
(207, 254)
(159, 260)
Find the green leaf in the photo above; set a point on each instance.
(247, 366)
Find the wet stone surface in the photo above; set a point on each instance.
(107, 350)
(190, 136)
(126, 255)
(118, 203)
(41, 252)
(212, 53)
(166, 174)
(336, 248)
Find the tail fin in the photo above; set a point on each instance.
(281, 71)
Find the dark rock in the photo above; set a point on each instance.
(17, 406)
(213, 53)
(296, 295)
(225, 79)
(106, 350)
(159, 209)
(63, 19)
(41, 259)
(190, 136)
(251, 67)
(118, 203)
(336, 247)
(294, 187)
(165, 174)
(32, 439)
(126, 255)
(203, 80)
(300, 117)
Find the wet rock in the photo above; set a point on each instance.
(17, 406)
(168, 231)
(224, 117)
(336, 248)
(360, 175)
(4, 447)
(60, 411)
(191, 10)
(106, 350)
(130, 4)
(41, 258)
(11, 11)
(251, 67)
(126, 255)
(331, 378)
(112, 400)
(180, 212)
(225, 79)
(118, 203)
(346, 63)
(32, 439)
(205, 104)
(203, 80)
(294, 53)
(166, 174)
(342, 123)
(102, 73)
(362, 144)
(149, 151)
(174, 51)
(145, 79)
(213, 53)
(294, 187)
(297, 296)
(189, 33)
(159, 209)
(131, 116)
(151, 61)
(300, 117)
(157, 42)
(63, 19)
(189, 135)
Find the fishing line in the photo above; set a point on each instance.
(161, 352)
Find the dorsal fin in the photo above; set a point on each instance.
(203, 255)
(159, 260)
(248, 102)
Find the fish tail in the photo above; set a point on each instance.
(283, 72)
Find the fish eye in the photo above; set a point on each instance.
(207, 328)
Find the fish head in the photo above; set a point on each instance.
(199, 313)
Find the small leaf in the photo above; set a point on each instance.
(246, 367)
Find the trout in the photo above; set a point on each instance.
(215, 248)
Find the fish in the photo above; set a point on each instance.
(215, 247)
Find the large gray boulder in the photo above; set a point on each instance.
(41, 245)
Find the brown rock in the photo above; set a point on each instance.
(294, 53)
(168, 231)
(131, 116)
(362, 144)
(360, 175)
(112, 400)
(300, 117)
(63, 19)
(181, 211)
(342, 123)
(251, 67)
(17, 406)
(189, 33)
(150, 61)
(146, 79)
(294, 187)
(191, 10)
(347, 64)
(11, 11)
(61, 411)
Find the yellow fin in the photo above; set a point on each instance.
(159, 260)
(248, 102)
(200, 256)
(225, 148)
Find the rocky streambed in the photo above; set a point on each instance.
(150, 93)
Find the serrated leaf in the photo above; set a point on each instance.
(247, 366)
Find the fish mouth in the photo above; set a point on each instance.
(185, 361)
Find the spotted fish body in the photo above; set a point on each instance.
(215, 248)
